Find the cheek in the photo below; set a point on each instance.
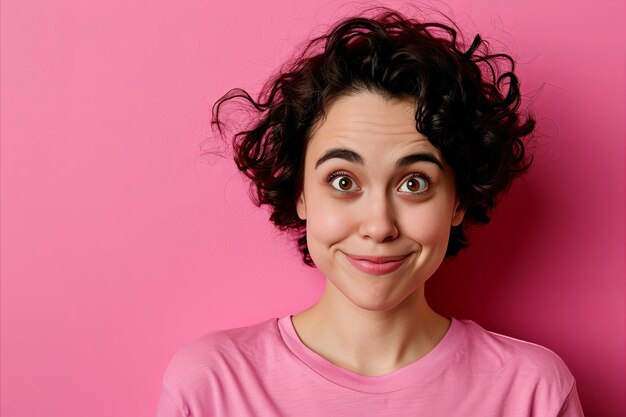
(327, 224)
(328, 221)
(427, 224)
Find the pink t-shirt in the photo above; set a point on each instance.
(265, 370)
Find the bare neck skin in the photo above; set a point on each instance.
(370, 343)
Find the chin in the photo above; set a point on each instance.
(374, 303)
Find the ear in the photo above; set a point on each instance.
(459, 213)
(301, 207)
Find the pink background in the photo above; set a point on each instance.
(119, 243)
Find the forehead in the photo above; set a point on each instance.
(371, 125)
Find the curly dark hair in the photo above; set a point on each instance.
(466, 106)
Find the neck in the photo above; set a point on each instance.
(370, 342)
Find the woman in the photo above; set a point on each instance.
(377, 147)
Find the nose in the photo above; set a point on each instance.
(378, 220)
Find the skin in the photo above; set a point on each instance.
(374, 324)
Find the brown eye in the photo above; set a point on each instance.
(343, 183)
(415, 185)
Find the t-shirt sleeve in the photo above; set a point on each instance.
(168, 406)
(571, 406)
(188, 385)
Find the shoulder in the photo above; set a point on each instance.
(493, 352)
(218, 352)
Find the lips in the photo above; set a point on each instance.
(376, 265)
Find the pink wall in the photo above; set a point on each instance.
(119, 244)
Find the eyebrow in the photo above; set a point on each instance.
(417, 157)
(340, 153)
(355, 158)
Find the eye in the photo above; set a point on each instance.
(415, 184)
(343, 183)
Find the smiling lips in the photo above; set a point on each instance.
(377, 265)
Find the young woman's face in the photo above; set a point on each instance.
(378, 200)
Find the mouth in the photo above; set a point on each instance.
(376, 265)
